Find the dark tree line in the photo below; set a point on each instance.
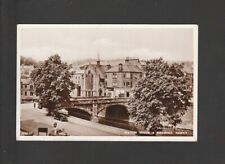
(28, 61)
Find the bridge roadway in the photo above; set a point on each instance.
(98, 100)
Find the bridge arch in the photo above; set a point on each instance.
(80, 112)
(117, 112)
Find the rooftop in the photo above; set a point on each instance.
(126, 68)
(25, 80)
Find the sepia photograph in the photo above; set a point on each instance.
(104, 82)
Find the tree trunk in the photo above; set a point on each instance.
(174, 130)
(49, 112)
(155, 132)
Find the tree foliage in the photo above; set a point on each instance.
(161, 96)
(52, 80)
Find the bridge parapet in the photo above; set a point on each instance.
(98, 100)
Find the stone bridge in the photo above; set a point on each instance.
(102, 106)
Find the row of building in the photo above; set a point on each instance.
(93, 79)
(97, 79)
(106, 80)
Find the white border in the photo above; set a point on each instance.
(111, 138)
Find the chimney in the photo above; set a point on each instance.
(127, 59)
(98, 62)
(120, 67)
(108, 66)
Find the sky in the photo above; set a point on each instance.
(80, 42)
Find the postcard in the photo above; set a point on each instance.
(107, 82)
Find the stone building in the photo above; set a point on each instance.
(106, 80)
(26, 70)
(121, 78)
(27, 90)
(78, 79)
(90, 80)
(94, 79)
(27, 87)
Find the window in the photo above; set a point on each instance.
(114, 76)
(31, 87)
(114, 83)
(127, 75)
(127, 84)
(121, 95)
(31, 93)
(25, 86)
(25, 93)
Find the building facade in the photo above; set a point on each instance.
(78, 79)
(26, 70)
(121, 79)
(27, 87)
(106, 80)
(27, 90)
(94, 78)
(90, 80)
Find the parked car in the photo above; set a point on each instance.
(60, 116)
(63, 111)
(61, 132)
(26, 133)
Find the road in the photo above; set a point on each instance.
(33, 118)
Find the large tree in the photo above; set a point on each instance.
(52, 80)
(162, 96)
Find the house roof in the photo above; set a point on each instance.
(126, 68)
(25, 81)
(98, 69)
(79, 71)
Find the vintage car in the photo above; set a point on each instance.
(63, 111)
(60, 116)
